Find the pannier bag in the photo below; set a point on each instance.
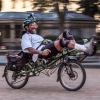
(16, 60)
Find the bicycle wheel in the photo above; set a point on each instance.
(72, 76)
(14, 81)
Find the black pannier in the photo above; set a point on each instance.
(16, 60)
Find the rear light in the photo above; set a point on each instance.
(6, 56)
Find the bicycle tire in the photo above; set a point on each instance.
(14, 86)
(83, 72)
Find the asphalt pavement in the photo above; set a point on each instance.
(46, 88)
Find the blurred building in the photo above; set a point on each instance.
(80, 25)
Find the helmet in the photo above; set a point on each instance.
(29, 20)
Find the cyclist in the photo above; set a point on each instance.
(31, 41)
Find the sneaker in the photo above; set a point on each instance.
(90, 46)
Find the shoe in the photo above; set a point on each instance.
(90, 46)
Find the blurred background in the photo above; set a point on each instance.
(80, 17)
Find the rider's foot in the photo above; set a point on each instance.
(90, 46)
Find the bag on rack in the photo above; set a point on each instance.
(16, 60)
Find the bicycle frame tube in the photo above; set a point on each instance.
(38, 67)
(41, 67)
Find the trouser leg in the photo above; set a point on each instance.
(52, 48)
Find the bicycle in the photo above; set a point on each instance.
(71, 74)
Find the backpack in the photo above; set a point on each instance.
(16, 60)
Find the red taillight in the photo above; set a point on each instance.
(6, 55)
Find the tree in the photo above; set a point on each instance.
(43, 5)
(90, 7)
(61, 14)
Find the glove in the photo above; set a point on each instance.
(45, 52)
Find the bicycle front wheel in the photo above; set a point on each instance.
(72, 76)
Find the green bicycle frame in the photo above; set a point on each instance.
(41, 67)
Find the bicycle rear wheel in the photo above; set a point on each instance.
(14, 81)
(72, 76)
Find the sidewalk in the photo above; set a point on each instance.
(91, 62)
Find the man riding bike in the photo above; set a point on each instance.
(31, 42)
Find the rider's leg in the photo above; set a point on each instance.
(71, 44)
(59, 44)
(87, 48)
(52, 48)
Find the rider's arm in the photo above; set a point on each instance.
(26, 45)
(34, 51)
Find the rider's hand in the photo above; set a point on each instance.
(45, 52)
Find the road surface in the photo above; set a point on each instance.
(46, 88)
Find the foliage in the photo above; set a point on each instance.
(43, 5)
(90, 7)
